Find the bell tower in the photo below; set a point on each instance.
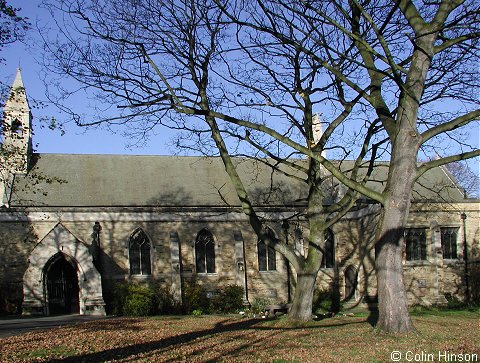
(318, 130)
(16, 135)
(17, 127)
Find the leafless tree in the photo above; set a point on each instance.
(168, 63)
(466, 178)
(255, 73)
(13, 25)
(12, 29)
(421, 54)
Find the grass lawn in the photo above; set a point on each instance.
(441, 336)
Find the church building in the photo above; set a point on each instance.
(73, 226)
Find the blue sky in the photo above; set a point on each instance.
(76, 139)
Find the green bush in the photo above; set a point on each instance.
(258, 305)
(120, 293)
(326, 300)
(454, 302)
(228, 300)
(140, 301)
(195, 298)
(164, 302)
(133, 299)
(6, 308)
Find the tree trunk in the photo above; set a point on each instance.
(392, 298)
(306, 274)
(301, 309)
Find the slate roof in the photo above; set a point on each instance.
(133, 181)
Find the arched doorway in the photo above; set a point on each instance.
(351, 280)
(60, 242)
(61, 286)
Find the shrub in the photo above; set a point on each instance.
(120, 292)
(454, 302)
(258, 305)
(228, 300)
(134, 300)
(164, 302)
(10, 301)
(195, 298)
(140, 301)
(326, 300)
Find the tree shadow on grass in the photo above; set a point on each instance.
(172, 342)
(116, 324)
(144, 348)
(373, 318)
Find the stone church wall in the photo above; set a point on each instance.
(427, 282)
(16, 242)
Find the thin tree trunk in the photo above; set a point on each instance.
(306, 275)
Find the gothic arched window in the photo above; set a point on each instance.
(328, 260)
(205, 252)
(449, 242)
(139, 253)
(267, 257)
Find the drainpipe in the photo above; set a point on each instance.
(286, 226)
(245, 274)
(463, 216)
(9, 191)
(241, 263)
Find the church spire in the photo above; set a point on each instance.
(17, 99)
(17, 127)
(317, 130)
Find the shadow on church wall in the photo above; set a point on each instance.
(17, 241)
(354, 248)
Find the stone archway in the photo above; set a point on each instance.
(61, 243)
(61, 285)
